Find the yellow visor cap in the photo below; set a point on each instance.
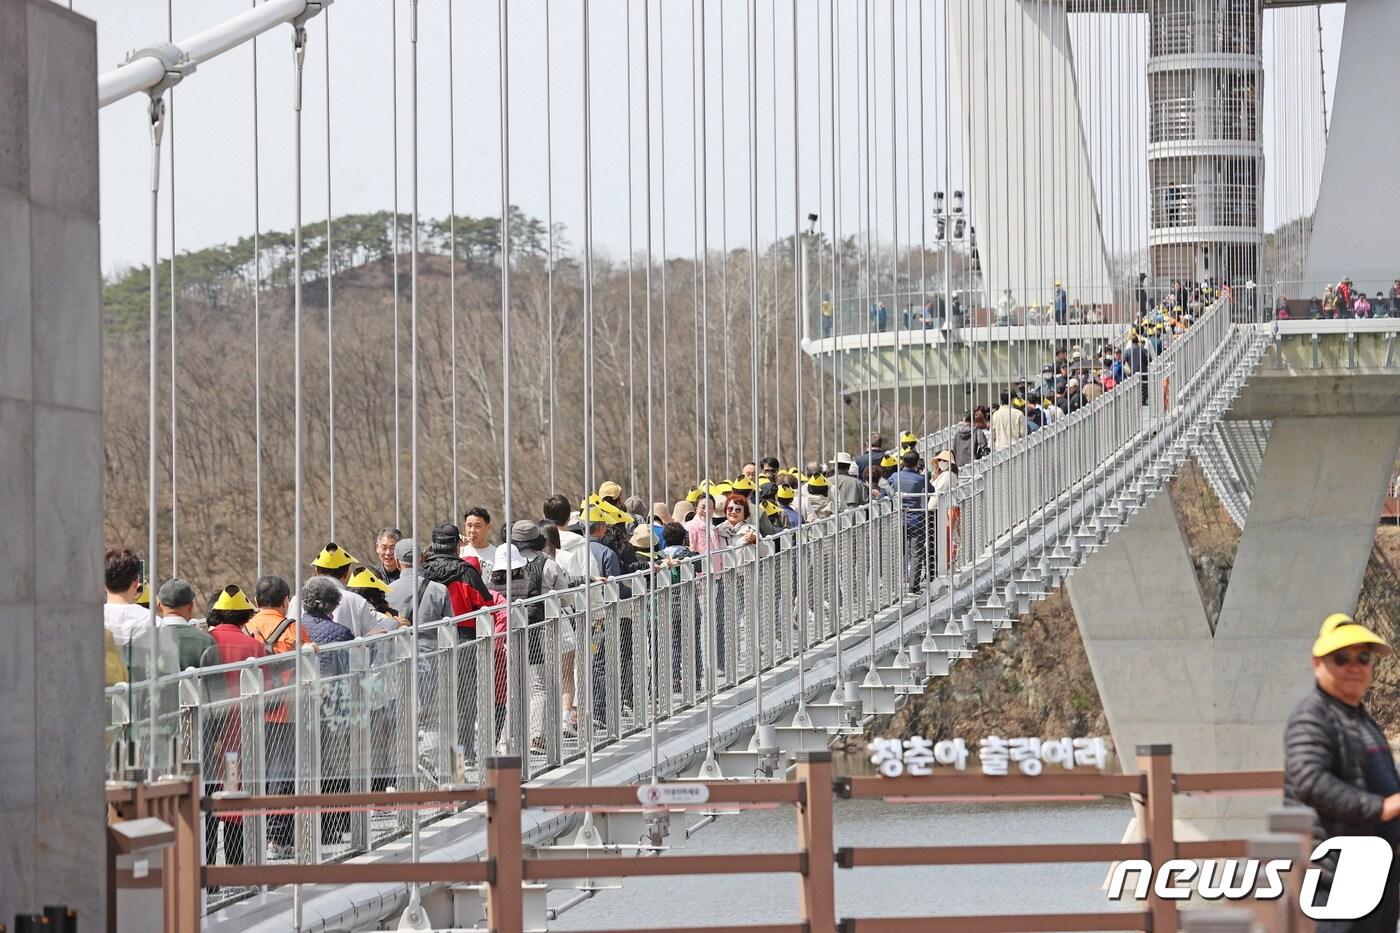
(1340, 630)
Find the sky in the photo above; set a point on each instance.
(211, 139)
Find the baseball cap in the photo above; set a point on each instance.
(175, 593)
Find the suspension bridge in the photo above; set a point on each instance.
(887, 213)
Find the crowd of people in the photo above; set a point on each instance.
(471, 572)
(1343, 301)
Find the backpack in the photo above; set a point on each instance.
(534, 616)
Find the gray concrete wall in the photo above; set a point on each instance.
(1353, 230)
(51, 750)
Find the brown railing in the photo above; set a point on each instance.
(815, 861)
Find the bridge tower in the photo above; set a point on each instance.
(1205, 75)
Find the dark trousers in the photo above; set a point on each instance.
(281, 755)
(1381, 920)
(915, 555)
(233, 837)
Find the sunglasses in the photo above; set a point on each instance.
(734, 508)
(1344, 658)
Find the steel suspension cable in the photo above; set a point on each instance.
(298, 485)
(665, 290)
(756, 646)
(697, 116)
(800, 719)
(394, 96)
(330, 286)
(709, 768)
(155, 115)
(513, 698)
(452, 255)
(587, 420)
(657, 684)
(174, 369)
(631, 253)
(776, 429)
(415, 836)
(723, 239)
(257, 323)
(838, 417)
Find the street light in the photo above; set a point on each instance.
(950, 227)
(806, 294)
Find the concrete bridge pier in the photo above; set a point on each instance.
(52, 841)
(1221, 696)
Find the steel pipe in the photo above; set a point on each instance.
(145, 70)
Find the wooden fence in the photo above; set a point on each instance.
(816, 860)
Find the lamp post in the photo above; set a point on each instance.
(950, 226)
(806, 283)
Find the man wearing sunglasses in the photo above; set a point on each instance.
(1337, 760)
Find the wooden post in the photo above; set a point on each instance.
(1155, 761)
(1297, 822)
(185, 857)
(1275, 916)
(814, 837)
(111, 877)
(504, 910)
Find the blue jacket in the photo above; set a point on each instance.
(914, 487)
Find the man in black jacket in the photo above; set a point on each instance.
(1337, 760)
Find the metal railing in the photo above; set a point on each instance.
(1180, 119)
(653, 643)
(1203, 31)
(1170, 373)
(1204, 205)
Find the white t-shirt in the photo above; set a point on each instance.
(484, 555)
(126, 621)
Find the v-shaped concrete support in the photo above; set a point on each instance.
(1221, 698)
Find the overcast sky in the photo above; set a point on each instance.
(213, 146)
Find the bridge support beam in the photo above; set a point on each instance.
(1221, 697)
(52, 838)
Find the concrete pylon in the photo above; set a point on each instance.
(1347, 241)
(1221, 697)
(1148, 639)
(1030, 183)
(1307, 539)
(52, 808)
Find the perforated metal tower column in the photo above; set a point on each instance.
(1205, 153)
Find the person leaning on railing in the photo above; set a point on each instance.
(1337, 760)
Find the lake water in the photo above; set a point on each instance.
(716, 900)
